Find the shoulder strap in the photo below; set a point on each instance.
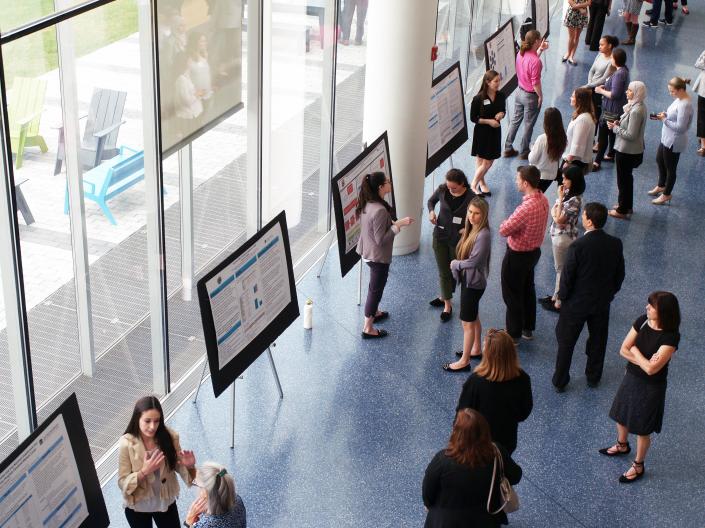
(497, 455)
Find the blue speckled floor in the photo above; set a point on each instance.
(348, 445)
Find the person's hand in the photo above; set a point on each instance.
(661, 116)
(407, 220)
(499, 116)
(612, 124)
(451, 263)
(544, 45)
(152, 463)
(494, 123)
(187, 458)
(560, 190)
(199, 506)
(432, 217)
(540, 101)
(599, 89)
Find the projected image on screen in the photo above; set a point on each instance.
(200, 66)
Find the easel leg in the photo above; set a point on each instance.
(323, 263)
(359, 285)
(200, 380)
(232, 417)
(274, 371)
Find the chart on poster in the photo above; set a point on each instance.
(500, 56)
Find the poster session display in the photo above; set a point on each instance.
(50, 481)
(200, 67)
(500, 56)
(447, 123)
(346, 188)
(539, 13)
(247, 301)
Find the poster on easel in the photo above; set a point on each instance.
(346, 188)
(540, 15)
(247, 301)
(500, 56)
(447, 122)
(50, 480)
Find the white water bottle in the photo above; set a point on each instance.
(308, 314)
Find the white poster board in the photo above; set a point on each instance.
(541, 16)
(500, 56)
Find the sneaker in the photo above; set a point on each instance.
(649, 23)
(666, 22)
(527, 334)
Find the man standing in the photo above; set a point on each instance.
(528, 100)
(592, 274)
(525, 230)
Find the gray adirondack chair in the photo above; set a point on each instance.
(101, 131)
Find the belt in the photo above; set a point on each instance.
(527, 91)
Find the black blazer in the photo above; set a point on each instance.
(456, 496)
(592, 273)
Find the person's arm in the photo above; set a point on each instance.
(634, 125)
(684, 116)
(618, 86)
(582, 134)
(478, 254)
(570, 267)
(525, 401)
(602, 79)
(432, 481)
(514, 224)
(382, 232)
(512, 470)
(619, 272)
(538, 150)
(475, 107)
(656, 363)
(627, 345)
(468, 395)
(185, 462)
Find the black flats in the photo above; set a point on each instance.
(624, 479)
(380, 333)
(447, 368)
(445, 316)
(620, 445)
(437, 303)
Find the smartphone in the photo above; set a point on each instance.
(653, 115)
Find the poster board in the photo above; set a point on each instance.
(447, 122)
(50, 480)
(540, 15)
(247, 301)
(346, 188)
(500, 55)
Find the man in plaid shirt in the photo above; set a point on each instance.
(525, 230)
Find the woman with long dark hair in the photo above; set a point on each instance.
(150, 458)
(580, 130)
(456, 485)
(548, 149)
(487, 109)
(614, 97)
(377, 233)
(639, 403)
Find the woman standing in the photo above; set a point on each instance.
(375, 245)
(499, 389)
(631, 11)
(629, 147)
(576, 18)
(614, 97)
(471, 270)
(457, 482)
(674, 139)
(454, 197)
(699, 88)
(639, 403)
(217, 506)
(150, 457)
(487, 109)
(600, 71)
(581, 130)
(548, 149)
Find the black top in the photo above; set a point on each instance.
(456, 496)
(648, 341)
(487, 140)
(503, 403)
(451, 207)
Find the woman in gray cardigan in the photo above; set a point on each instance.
(629, 147)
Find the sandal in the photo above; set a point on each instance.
(620, 448)
(624, 479)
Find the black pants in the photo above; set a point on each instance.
(378, 279)
(605, 139)
(667, 162)
(656, 10)
(593, 34)
(701, 117)
(545, 184)
(568, 330)
(626, 163)
(167, 519)
(518, 290)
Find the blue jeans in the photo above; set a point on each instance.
(526, 108)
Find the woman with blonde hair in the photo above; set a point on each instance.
(470, 269)
(499, 389)
(218, 505)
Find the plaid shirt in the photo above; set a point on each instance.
(526, 226)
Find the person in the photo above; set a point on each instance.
(454, 196)
(614, 97)
(631, 11)
(487, 110)
(528, 100)
(699, 88)
(218, 505)
(600, 71)
(187, 100)
(150, 456)
(576, 18)
(456, 484)
(347, 16)
(674, 139)
(629, 147)
(655, 14)
(377, 233)
(639, 403)
(599, 9)
(524, 230)
(580, 130)
(471, 269)
(547, 150)
(591, 276)
(199, 68)
(499, 389)
(564, 226)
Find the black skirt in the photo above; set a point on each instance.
(638, 405)
(701, 117)
(469, 303)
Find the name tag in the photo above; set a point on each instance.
(486, 102)
(457, 219)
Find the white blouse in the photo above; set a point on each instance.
(581, 132)
(538, 157)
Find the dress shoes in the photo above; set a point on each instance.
(380, 333)
(448, 368)
(445, 316)
(437, 303)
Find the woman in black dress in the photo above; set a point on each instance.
(499, 389)
(639, 403)
(457, 482)
(487, 109)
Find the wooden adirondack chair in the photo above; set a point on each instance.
(25, 104)
(101, 132)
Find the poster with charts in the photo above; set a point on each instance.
(50, 481)
(247, 301)
(539, 13)
(346, 188)
(447, 122)
(500, 56)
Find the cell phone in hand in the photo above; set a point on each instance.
(653, 115)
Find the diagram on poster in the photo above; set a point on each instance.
(500, 56)
(540, 16)
(447, 123)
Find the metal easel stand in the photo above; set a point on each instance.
(325, 257)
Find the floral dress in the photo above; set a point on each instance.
(576, 17)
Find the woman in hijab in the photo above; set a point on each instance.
(629, 146)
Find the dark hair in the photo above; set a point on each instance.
(577, 180)
(369, 191)
(596, 213)
(530, 175)
(583, 103)
(619, 56)
(486, 78)
(470, 442)
(668, 310)
(556, 140)
(529, 41)
(457, 176)
(162, 436)
(611, 40)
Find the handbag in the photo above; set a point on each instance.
(510, 499)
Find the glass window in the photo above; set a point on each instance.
(8, 440)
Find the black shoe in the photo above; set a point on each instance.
(635, 465)
(437, 303)
(545, 300)
(606, 450)
(445, 316)
(558, 389)
(649, 23)
(524, 155)
(666, 22)
(593, 384)
(380, 333)
(550, 307)
(527, 334)
(509, 153)
(380, 317)
(447, 368)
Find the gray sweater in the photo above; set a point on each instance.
(473, 270)
(630, 132)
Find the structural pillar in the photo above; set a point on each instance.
(398, 80)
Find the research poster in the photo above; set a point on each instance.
(346, 188)
(447, 122)
(500, 56)
(541, 17)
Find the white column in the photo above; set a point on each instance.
(398, 80)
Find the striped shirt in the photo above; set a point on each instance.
(526, 226)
